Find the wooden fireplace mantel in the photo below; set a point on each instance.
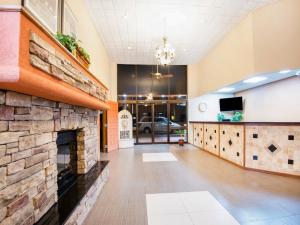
(23, 43)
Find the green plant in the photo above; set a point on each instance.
(68, 41)
(84, 54)
(237, 116)
(220, 117)
(73, 45)
(181, 133)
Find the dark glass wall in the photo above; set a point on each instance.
(136, 80)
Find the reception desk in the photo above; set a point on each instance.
(268, 147)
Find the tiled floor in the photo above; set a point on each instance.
(159, 157)
(186, 208)
(252, 198)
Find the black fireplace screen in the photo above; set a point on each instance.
(66, 160)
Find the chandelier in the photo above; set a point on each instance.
(164, 54)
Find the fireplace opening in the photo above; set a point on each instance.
(66, 160)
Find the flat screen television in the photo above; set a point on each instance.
(231, 104)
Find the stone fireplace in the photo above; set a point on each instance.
(50, 167)
(44, 147)
(66, 159)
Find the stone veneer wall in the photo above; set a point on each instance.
(46, 58)
(28, 170)
(86, 204)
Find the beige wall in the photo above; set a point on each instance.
(266, 40)
(91, 41)
(193, 80)
(113, 82)
(10, 2)
(276, 30)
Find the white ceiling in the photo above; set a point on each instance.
(269, 78)
(192, 26)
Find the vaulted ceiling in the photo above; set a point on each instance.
(132, 29)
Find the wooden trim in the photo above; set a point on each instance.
(251, 123)
(273, 173)
(10, 8)
(104, 132)
(251, 169)
(219, 139)
(244, 150)
(247, 168)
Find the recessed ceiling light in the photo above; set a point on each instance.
(129, 47)
(163, 96)
(298, 73)
(228, 89)
(184, 49)
(140, 96)
(284, 71)
(125, 17)
(124, 95)
(254, 80)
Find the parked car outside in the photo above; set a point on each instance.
(160, 125)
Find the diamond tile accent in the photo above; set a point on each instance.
(237, 134)
(230, 142)
(291, 137)
(237, 154)
(291, 162)
(272, 148)
(255, 135)
(255, 157)
(210, 137)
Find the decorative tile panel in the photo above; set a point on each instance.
(211, 138)
(231, 143)
(198, 135)
(274, 149)
(191, 133)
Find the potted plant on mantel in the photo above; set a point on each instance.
(73, 46)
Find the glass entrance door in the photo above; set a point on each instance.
(178, 122)
(144, 123)
(161, 123)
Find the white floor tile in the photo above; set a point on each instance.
(164, 204)
(213, 218)
(169, 219)
(200, 201)
(158, 157)
(186, 208)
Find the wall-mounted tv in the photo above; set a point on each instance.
(231, 104)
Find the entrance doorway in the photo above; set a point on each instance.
(103, 131)
(158, 121)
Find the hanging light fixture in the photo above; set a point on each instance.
(149, 97)
(165, 55)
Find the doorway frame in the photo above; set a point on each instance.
(133, 99)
